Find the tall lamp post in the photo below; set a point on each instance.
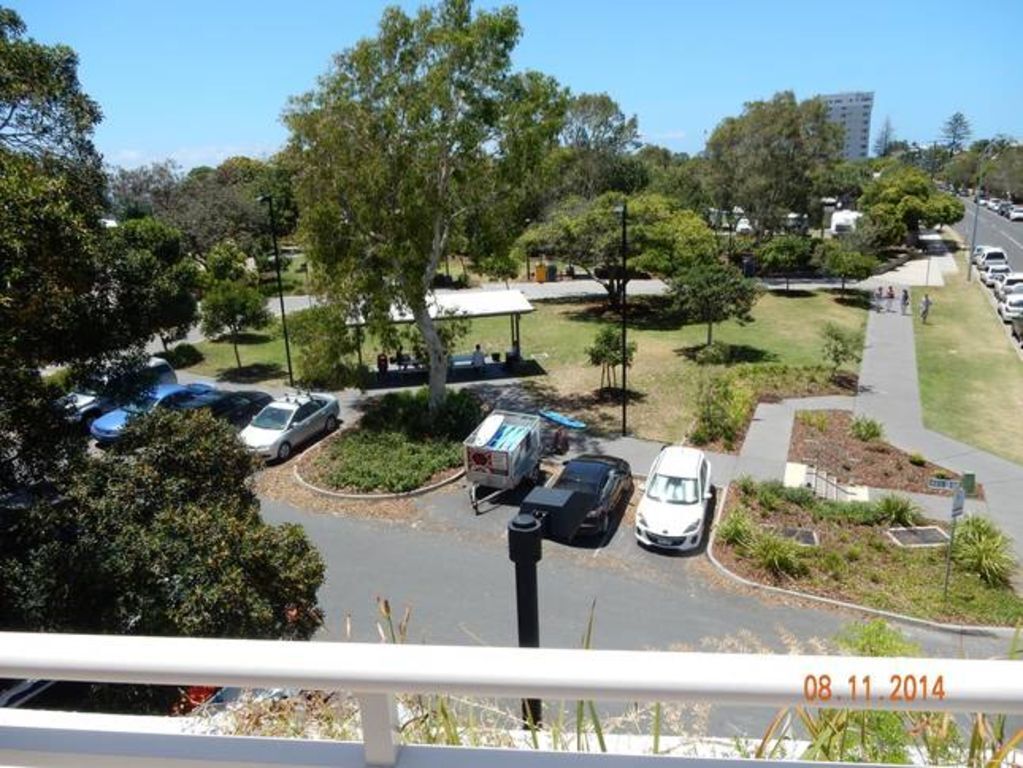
(976, 207)
(280, 285)
(623, 210)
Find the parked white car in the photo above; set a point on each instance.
(1005, 284)
(1016, 213)
(673, 509)
(989, 273)
(743, 227)
(991, 257)
(290, 421)
(1011, 309)
(979, 252)
(88, 403)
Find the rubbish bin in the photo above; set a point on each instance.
(969, 483)
(749, 266)
(552, 273)
(541, 273)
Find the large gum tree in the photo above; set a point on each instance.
(415, 141)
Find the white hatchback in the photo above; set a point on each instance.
(673, 508)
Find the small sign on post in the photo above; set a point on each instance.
(958, 503)
(958, 506)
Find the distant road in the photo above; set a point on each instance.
(992, 229)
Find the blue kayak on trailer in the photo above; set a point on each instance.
(563, 420)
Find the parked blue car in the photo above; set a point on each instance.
(107, 428)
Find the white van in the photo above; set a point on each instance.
(90, 403)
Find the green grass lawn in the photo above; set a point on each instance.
(662, 380)
(970, 376)
(294, 277)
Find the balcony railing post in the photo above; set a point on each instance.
(379, 728)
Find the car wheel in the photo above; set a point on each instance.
(331, 424)
(284, 451)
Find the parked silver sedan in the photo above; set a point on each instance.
(290, 421)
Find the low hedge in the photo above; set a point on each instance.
(399, 445)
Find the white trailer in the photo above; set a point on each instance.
(501, 452)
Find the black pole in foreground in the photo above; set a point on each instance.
(280, 286)
(625, 359)
(525, 545)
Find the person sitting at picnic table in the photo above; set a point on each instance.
(381, 366)
(478, 360)
(401, 359)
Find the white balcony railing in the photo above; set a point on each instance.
(375, 673)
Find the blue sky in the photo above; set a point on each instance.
(200, 81)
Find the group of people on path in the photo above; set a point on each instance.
(884, 301)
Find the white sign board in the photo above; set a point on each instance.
(958, 503)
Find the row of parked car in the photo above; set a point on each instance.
(1006, 285)
(1005, 208)
(675, 506)
(268, 426)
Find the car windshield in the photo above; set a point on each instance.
(272, 417)
(142, 405)
(672, 490)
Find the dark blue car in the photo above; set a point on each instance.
(107, 428)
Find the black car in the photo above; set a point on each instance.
(237, 408)
(603, 481)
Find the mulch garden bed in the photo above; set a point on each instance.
(874, 463)
(858, 563)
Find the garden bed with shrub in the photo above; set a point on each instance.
(725, 402)
(398, 445)
(857, 562)
(853, 450)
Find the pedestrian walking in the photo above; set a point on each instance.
(381, 366)
(925, 307)
(878, 298)
(905, 300)
(889, 299)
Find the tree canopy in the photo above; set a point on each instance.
(766, 159)
(712, 292)
(956, 132)
(416, 137)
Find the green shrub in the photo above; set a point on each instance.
(777, 555)
(854, 554)
(833, 564)
(183, 355)
(409, 413)
(981, 548)
(60, 378)
(747, 485)
(855, 512)
(875, 638)
(896, 511)
(866, 429)
(723, 407)
(917, 460)
(715, 353)
(738, 529)
(386, 461)
(814, 419)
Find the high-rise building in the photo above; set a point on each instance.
(852, 112)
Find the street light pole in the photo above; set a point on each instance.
(280, 285)
(625, 358)
(976, 208)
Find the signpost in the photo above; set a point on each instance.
(958, 505)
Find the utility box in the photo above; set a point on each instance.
(969, 483)
(561, 511)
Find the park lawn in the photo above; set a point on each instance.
(662, 381)
(261, 352)
(970, 376)
(294, 277)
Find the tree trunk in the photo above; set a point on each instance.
(710, 332)
(163, 340)
(234, 343)
(438, 356)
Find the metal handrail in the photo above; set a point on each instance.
(376, 672)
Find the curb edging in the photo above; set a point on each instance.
(959, 629)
